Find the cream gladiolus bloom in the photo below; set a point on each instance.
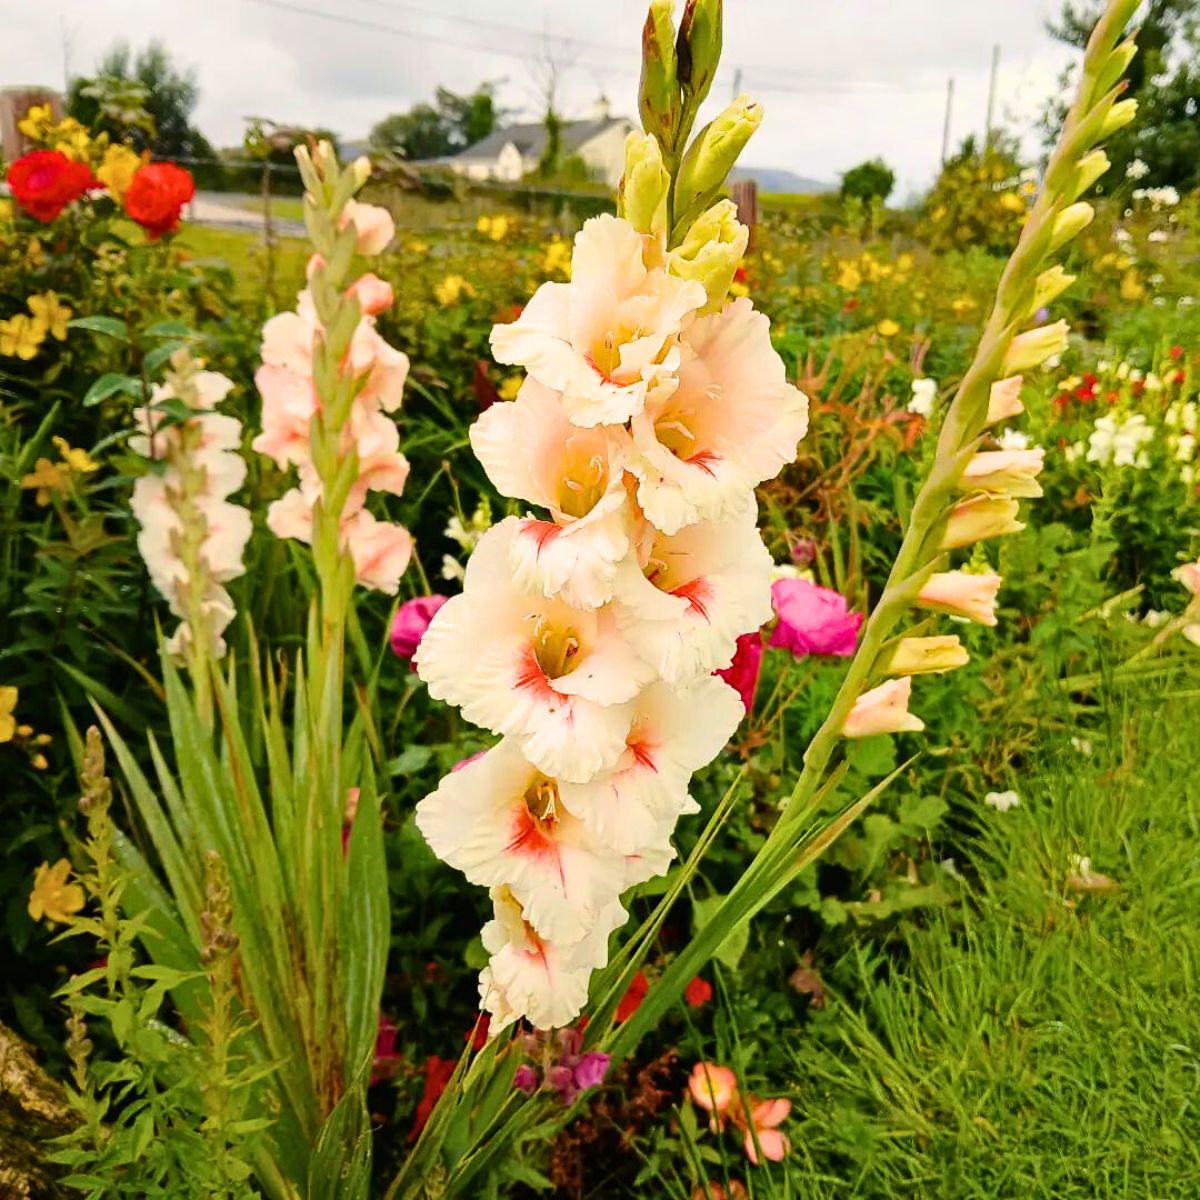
(605, 337)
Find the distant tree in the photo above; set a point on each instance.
(871, 180)
(169, 96)
(450, 124)
(1164, 78)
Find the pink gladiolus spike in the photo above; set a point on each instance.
(883, 710)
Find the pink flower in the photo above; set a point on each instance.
(742, 674)
(372, 293)
(380, 550)
(714, 1089)
(812, 619)
(883, 710)
(1189, 576)
(374, 226)
(386, 1058)
(1004, 402)
(526, 1079)
(764, 1116)
(962, 594)
(410, 622)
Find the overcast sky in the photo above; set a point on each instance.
(840, 81)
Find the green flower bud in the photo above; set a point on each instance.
(926, 655)
(1070, 223)
(1116, 66)
(645, 184)
(711, 156)
(1118, 117)
(1049, 286)
(699, 48)
(1090, 168)
(1031, 349)
(659, 100)
(711, 252)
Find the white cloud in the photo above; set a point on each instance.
(846, 81)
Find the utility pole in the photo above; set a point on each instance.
(991, 108)
(946, 125)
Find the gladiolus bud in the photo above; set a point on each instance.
(1070, 223)
(1189, 576)
(711, 156)
(360, 170)
(659, 101)
(1004, 401)
(711, 252)
(1118, 117)
(962, 594)
(1090, 168)
(926, 655)
(698, 49)
(645, 184)
(978, 518)
(1116, 66)
(1049, 286)
(883, 710)
(1010, 472)
(1031, 349)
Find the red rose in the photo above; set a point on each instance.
(44, 182)
(157, 195)
(698, 992)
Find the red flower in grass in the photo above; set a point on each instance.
(156, 197)
(634, 995)
(1176, 352)
(44, 182)
(698, 992)
(386, 1059)
(437, 1076)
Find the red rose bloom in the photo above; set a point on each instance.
(157, 195)
(44, 182)
(698, 992)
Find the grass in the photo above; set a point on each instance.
(1038, 1040)
(243, 253)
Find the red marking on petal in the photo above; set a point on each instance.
(534, 839)
(531, 678)
(643, 755)
(542, 532)
(698, 593)
(704, 459)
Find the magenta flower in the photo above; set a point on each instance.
(591, 1069)
(410, 622)
(526, 1079)
(812, 619)
(742, 674)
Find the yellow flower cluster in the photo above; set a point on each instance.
(116, 170)
(22, 335)
(852, 273)
(54, 478)
(450, 290)
(496, 228)
(556, 260)
(67, 135)
(22, 735)
(53, 897)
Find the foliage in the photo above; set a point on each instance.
(447, 126)
(870, 180)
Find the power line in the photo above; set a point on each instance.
(824, 87)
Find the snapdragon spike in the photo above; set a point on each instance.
(588, 633)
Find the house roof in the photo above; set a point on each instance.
(530, 139)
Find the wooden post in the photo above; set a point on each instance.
(15, 102)
(745, 196)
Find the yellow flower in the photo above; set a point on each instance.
(8, 723)
(48, 478)
(1011, 202)
(887, 328)
(451, 290)
(52, 896)
(849, 276)
(35, 256)
(36, 122)
(117, 170)
(510, 386)
(495, 228)
(1132, 288)
(20, 336)
(962, 304)
(416, 246)
(905, 263)
(738, 289)
(50, 313)
(78, 461)
(557, 259)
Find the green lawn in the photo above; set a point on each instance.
(244, 254)
(1042, 1039)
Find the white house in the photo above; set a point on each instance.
(511, 153)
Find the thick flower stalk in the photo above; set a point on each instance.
(192, 537)
(588, 633)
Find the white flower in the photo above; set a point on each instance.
(1083, 745)
(1158, 236)
(1012, 439)
(1137, 170)
(556, 678)
(698, 591)
(603, 338)
(924, 395)
(1119, 443)
(730, 421)
(1155, 618)
(1002, 801)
